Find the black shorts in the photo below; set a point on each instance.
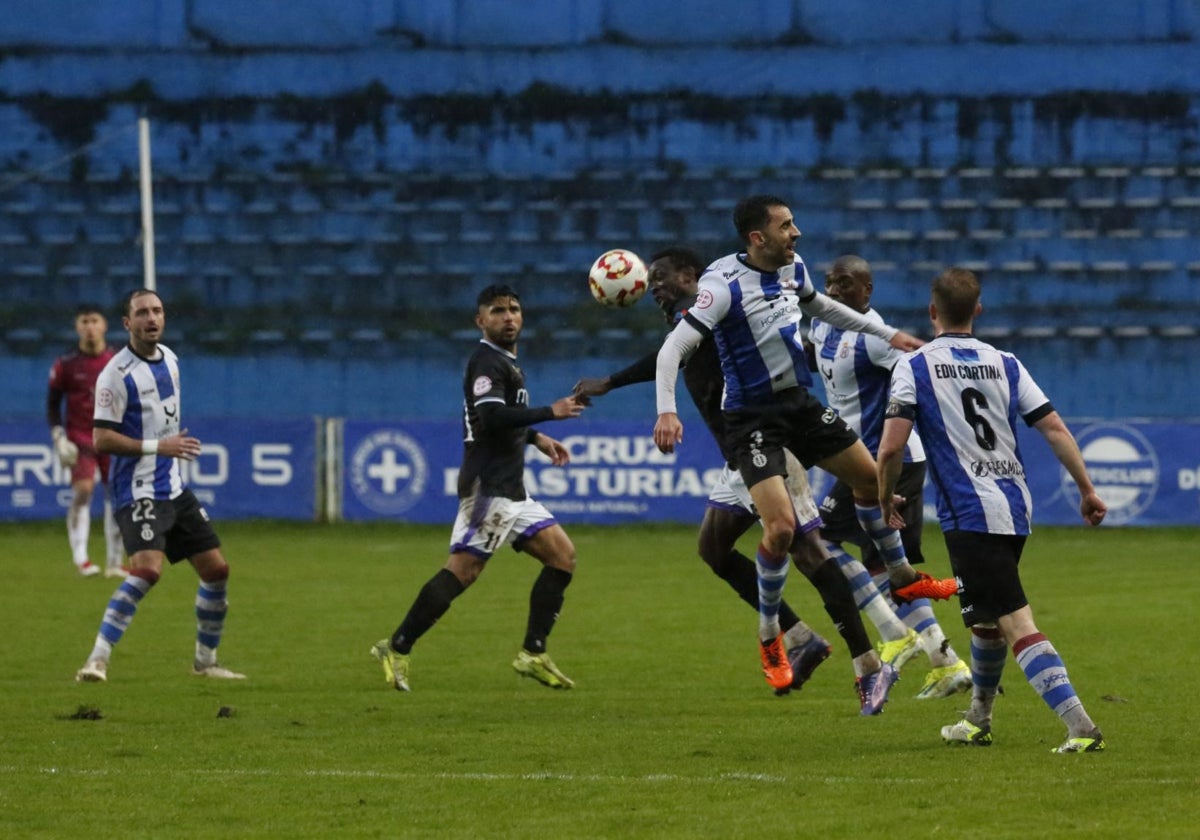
(796, 421)
(986, 568)
(178, 527)
(841, 522)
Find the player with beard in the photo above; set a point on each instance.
(751, 303)
(493, 507)
(729, 513)
(138, 422)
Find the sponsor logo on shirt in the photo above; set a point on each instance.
(999, 468)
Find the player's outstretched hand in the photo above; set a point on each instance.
(668, 431)
(568, 407)
(1093, 509)
(593, 386)
(552, 449)
(896, 520)
(903, 341)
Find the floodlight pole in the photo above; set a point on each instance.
(147, 202)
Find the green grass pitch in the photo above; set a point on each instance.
(671, 731)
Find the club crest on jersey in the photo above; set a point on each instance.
(104, 398)
(703, 300)
(828, 416)
(481, 386)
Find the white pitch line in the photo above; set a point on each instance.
(756, 778)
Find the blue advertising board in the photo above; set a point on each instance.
(248, 468)
(409, 472)
(1147, 472)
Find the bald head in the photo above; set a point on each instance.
(850, 264)
(849, 281)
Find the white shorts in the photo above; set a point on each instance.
(483, 525)
(731, 492)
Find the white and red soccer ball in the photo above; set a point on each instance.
(618, 278)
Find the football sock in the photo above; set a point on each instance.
(1045, 671)
(79, 523)
(772, 574)
(545, 601)
(885, 537)
(866, 663)
(839, 604)
(121, 609)
(795, 635)
(432, 602)
(988, 654)
(867, 595)
(919, 616)
(211, 607)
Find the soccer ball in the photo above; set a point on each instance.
(618, 278)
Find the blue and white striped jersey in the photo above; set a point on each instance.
(856, 369)
(965, 397)
(139, 398)
(753, 316)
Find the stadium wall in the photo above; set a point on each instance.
(250, 97)
(492, 24)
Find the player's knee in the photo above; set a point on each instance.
(778, 535)
(721, 564)
(465, 573)
(713, 551)
(564, 562)
(214, 571)
(146, 573)
(986, 631)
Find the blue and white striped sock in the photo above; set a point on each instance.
(867, 595)
(989, 652)
(885, 537)
(919, 616)
(772, 574)
(120, 611)
(1045, 671)
(211, 607)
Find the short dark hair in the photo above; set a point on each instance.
(127, 301)
(955, 293)
(681, 257)
(495, 292)
(88, 309)
(754, 212)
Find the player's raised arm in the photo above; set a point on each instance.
(836, 313)
(682, 340)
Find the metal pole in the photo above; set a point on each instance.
(147, 202)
